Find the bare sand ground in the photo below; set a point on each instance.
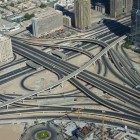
(134, 58)
(11, 132)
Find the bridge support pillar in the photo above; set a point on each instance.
(62, 84)
(118, 44)
(106, 54)
(7, 107)
(75, 76)
(50, 90)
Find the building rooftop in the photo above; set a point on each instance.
(3, 22)
(3, 38)
(9, 26)
(46, 12)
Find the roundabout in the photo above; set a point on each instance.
(41, 131)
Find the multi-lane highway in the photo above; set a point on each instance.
(62, 65)
(14, 74)
(128, 106)
(73, 74)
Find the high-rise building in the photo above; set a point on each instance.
(82, 13)
(135, 23)
(136, 4)
(6, 52)
(120, 7)
(46, 22)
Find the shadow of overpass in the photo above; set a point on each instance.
(112, 23)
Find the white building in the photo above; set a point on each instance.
(47, 22)
(64, 3)
(10, 27)
(6, 52)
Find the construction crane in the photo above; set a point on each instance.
(77, 110)
(103, 128)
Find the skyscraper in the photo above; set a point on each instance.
(135, 22)
(120, 7)
(82, 12)
(136, 4)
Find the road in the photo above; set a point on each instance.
(75, 73)
(83, 88)
(129, 111)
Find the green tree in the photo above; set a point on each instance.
(27, 16)
(12, 4)
(43, 5)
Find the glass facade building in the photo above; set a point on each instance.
(135, 23)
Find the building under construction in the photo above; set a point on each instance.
(46, 22)
(82, 12)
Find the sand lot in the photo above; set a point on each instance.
(10, 132)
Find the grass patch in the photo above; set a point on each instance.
(42, 135)
(127, 44)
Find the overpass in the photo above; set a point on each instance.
(73, 74)
(64, 47)
(89, 40)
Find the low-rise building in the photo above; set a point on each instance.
(15, 18)
(26, 6)
(6, 52)
(66, 21)
(9, 27)
(100, 8)
(5, 12)
(85, 133)
(13, 9)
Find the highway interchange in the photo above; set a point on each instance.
(107, 38)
